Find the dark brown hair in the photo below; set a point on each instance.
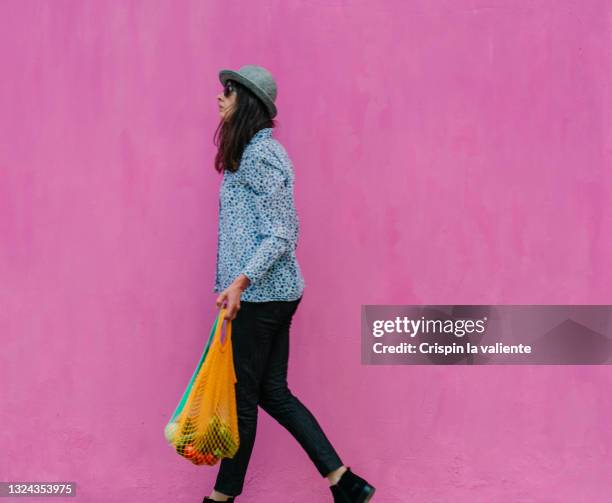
(231, 136)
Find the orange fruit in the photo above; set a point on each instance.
(189, 452)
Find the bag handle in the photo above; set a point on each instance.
(228, 340)
(228, 331)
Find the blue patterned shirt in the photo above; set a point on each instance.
(258, 224)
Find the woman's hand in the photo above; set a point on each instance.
(231, 296)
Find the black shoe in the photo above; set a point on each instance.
(208, 500)
(352, 488)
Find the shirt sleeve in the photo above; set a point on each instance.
(267, 176)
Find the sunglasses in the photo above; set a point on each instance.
(228, 89)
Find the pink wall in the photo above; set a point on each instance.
(445, 152)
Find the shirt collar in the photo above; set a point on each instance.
(261, 134)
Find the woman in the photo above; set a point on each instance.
(259, 280)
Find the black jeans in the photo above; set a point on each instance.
(260, 340)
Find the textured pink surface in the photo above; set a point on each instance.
(445, 152)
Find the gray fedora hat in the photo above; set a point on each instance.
(258, 80)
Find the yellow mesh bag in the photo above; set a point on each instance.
(204, 427)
